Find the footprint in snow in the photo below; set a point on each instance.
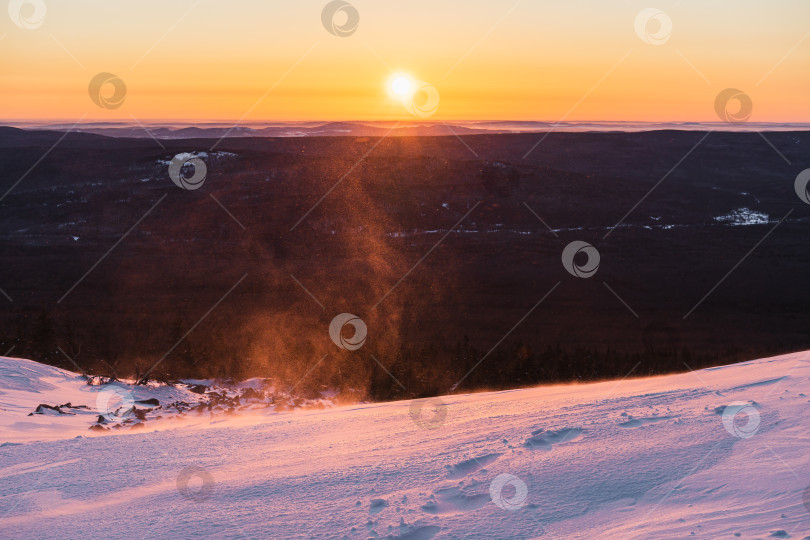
(639, 422)
(722, 408)
(453, 500)
(544, 440)
(377, 506)
(418, 533)
(465, 468)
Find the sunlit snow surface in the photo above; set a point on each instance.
(644, 458)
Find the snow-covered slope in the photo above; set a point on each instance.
(39, 402)
(717, 453)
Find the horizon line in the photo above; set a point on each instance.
(402, 123)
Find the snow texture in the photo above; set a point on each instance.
(716, 453)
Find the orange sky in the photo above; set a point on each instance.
(505, 60)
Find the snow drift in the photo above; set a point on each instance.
(716, 453)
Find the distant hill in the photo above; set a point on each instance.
(440, 244)
(168, 130)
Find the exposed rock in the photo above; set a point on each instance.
(140, 414)
(69, 406)
(42, 408)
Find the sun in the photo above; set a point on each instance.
(401, 86)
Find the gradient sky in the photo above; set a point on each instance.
(504, 60)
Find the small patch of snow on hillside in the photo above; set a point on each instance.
(744, 216)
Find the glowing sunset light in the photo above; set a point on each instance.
(326, 60)
(401, 86)
(424, 269)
